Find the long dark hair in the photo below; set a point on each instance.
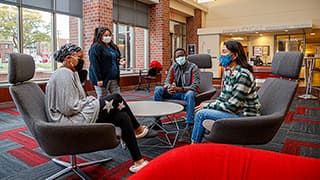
(98, 33)
(237, 48)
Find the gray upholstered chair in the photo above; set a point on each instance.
(275, 95)
(203, 61)
(54, 139)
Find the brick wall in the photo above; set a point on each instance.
(159, 18)
(96, 13)
(193, 23)
(139, 47)
(74, 30)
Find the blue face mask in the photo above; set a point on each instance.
(225, 60)
(181, 60)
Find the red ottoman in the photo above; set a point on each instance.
(219, 161)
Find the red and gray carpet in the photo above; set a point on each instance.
(21, 157)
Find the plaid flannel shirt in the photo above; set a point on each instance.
(239, 95)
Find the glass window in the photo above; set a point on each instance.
(37, 32)
(133, 46)
(68, 30)
(290, 42)
(178, 35)
(37, 41)
(9, 42)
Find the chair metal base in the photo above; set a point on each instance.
(308, 96)
(73, 166)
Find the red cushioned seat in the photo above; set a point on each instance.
(219, 161)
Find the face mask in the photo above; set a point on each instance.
(79, 66)
(106, 39)
(225, 60)
(181, 60)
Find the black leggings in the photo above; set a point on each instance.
(122, 118)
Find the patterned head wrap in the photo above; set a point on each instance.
(64, 51)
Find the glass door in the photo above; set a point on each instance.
(290, 42)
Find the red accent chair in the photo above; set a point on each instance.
(220, 161)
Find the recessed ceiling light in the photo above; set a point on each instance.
(312, 34)
(205, 1)
(237, 38)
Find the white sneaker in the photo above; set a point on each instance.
(135, 168)
(207, 124)
(143, 133)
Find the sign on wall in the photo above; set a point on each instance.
(191, 49)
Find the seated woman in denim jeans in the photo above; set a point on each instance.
(238, 96)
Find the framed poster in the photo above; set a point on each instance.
(191, 49)
(261, 51)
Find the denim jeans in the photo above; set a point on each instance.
(161, 93)
(211, 114)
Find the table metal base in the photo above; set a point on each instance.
(166, 140)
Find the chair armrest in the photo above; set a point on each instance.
(60, 139)
(206, 95)
(246, 130)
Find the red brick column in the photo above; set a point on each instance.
(160, 34)
(193, 23)
(139, 47)
(96, 13)
(73, 30)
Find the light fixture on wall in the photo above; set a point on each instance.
(237, 38)
(205, 1)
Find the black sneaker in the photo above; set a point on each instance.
(186, 135)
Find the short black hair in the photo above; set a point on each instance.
(179, 49)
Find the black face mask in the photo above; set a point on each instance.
(80, 64)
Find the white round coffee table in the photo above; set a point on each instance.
(156, 109)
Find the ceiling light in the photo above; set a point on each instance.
(286, 30)
(312, 34)
(205, 1)
(237, 38)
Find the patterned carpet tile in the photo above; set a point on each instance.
(21, 157)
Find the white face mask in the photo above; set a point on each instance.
(181, 60)
(106, 39)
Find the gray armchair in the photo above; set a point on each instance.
(54, 139)
(275, 95)
(203, 61)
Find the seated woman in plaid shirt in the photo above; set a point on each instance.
(238, 96)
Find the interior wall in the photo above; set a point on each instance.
(313, 49)
(209, 44)
(239, 12)
(261, 41)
